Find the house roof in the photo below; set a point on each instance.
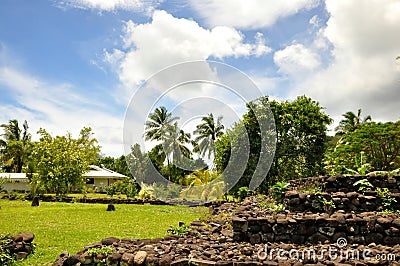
(94, 172)
(101, 172)
(14, 176)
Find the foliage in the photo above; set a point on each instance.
(278, 190)
(376, 143)
(361, 166)
(363, 185)
(351, 122)
(6, 258)
(386, 197)
(242, 193)
(271, 204)
(327, 205)
(15, 146)
(301, 128)
(204, 185)
(126, 187)
(158, 127)
(60, 161)
(207, 133)
(105, 251)
(179, 230)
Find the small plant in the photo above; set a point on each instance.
(278, 207)
(361, 165)
(363, 185)
(279, 189)
(6, 258)
(179, 230)
(386, 197)
(105, 251)
(242, 193)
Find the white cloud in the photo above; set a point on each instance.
(249, 14)
(168, 40)
(296, 60)
(110, 5)
(58, 109)
(363, 73)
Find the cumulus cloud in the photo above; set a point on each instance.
(58, 109)
(363, 72)
(296, 60)
(168, 40)
(363, 41)
(111, 5)
(249, 14)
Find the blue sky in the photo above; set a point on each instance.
(73, 63)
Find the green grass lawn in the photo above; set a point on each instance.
(71, 226)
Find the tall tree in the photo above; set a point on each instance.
(351, 122)
(60, 161)
(208, 132)
(301, 127)
(379, 142)
(158, 127)
(15, 146)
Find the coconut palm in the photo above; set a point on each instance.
(351, 122)
(159, 123)
(158, 128)
(15, 146)
(208, 132)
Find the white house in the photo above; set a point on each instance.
(101, 177)
(16, 181)
(95, 177)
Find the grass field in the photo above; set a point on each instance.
(71, 226)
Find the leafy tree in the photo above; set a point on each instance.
(15, 146)
(351, 122)
(107, 162)
(208, 132)
(374, 144)
(60, 161)
(301, 127)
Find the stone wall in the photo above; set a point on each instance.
(328, 202)
(299, 228)
(345, 183)
(20, 245)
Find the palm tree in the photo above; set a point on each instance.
(351, 122)
(14, 147)
(158, 128)
(159, 123)
(208, 132)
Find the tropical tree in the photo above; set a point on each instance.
(376, 145)
(60, 161)
(15, 146)
(208, 132)
(301, 127)
(351, 122)
(158, 127)
(176, 141)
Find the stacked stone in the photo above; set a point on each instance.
(310, 218)
(20, 245)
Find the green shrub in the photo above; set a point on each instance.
(6, 258)
(279, 189)
(179, 230)
(242, 193)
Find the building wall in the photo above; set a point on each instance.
(19, 186)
